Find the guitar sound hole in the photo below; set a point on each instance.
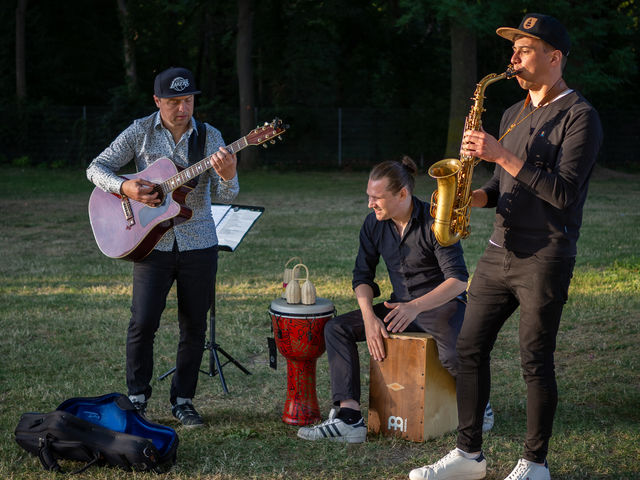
(157, 189)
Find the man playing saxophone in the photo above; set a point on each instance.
(543, 159)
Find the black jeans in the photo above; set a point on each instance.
(194, 272)
(504, 280)
(343, 332)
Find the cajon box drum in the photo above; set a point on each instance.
(411, 395)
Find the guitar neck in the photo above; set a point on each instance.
(196, 169)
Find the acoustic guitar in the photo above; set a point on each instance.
(127, 229)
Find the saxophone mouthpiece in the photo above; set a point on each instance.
(511, 72)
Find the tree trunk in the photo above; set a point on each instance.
(21, 78)
(245, 77)
(464, 77)
(128, 46)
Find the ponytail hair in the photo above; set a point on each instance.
(400, 174)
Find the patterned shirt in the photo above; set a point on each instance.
(146, 140)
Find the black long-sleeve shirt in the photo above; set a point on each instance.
(416, 263)
(540, 210)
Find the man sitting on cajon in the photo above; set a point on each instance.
(428, 282)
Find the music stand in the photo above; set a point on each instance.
(232, 224)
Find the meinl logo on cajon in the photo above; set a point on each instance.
(397, 423)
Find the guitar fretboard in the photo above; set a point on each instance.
(182, 177)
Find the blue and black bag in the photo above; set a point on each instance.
(105, 430)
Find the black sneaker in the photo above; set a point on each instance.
(187, 415)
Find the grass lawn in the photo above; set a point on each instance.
(64, 310)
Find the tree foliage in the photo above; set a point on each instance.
(314, 54)
(330, 52)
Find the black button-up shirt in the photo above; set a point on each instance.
(416, 263)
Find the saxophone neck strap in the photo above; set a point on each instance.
(553, 92)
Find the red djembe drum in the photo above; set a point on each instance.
(299, 334)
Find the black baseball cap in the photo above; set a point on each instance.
(542, 27)
(174, 82)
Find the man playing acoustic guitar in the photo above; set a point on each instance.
(187, 253)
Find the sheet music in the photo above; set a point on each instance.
(219, 211)
(233, 222)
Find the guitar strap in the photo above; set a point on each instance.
(197, 143)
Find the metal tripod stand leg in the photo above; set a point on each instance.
(215, 367)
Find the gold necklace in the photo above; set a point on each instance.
(550, 94)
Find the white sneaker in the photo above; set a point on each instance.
(453, 466)
(335, 430)
(526, 470)
(487, 421)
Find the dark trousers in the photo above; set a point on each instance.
(343, 332)
(504, 280)
(194, 272)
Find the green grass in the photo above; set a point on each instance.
(64, 310)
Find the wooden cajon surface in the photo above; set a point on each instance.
(411, 395)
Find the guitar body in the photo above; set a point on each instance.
(127, 229)
(118, 237)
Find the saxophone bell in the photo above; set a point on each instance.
(443, 200)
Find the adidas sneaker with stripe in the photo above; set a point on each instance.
(335, 430)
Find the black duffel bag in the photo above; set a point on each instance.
(105, 430)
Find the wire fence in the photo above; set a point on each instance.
(324, 138)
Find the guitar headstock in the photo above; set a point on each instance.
(266, 133)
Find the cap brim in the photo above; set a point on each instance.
(178, 94)
(510, 33)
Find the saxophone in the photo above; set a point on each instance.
(451, 202)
